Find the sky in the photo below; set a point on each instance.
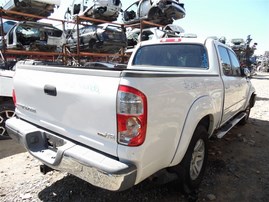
(228, 18)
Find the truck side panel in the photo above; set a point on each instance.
(168, 108)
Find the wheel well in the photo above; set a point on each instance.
(252, 100)
(207, 122)
(6, 99)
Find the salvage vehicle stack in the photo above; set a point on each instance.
(92, 28)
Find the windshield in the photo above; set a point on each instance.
(28, 31)
(172, 55)
(7, 26)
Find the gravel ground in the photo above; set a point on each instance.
(238, 169)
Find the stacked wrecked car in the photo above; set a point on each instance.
(34, 36)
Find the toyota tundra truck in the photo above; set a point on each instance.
(117, 126)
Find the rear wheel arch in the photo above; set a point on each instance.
(202, 112)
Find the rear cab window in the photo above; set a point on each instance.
(172, 55)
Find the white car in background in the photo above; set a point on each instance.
(162, 12)
(98, 9)
(135, 36)
(43, 8)
(34, 36)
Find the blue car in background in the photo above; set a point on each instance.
(7, 25)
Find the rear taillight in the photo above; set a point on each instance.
(14, 97)
(131, 116)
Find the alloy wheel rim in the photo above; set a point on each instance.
(197, 159)
(4, 115)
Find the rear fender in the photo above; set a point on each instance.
(201, 108)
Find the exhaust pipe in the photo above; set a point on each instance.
(45, 169)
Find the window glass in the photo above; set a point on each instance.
(10, 36)
(173, 55)
(28, 31)
(235, 64)
(7, 26)
(225, 61)
(76, 8)
(130, 12)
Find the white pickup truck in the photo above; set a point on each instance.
(115, 127)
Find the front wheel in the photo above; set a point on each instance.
(245, 119)
(193, 165)
(7, 110)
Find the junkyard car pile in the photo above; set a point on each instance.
(97, 36)
(245, 52)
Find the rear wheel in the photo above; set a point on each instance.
(7, 110)
(193, 165)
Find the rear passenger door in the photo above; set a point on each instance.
(242, 81)
(234, 83)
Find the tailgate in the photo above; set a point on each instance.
(79, 104)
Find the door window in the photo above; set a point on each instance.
(225, 61)
(235, 64)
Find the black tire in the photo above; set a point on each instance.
(92, 44)
(245, 119)
(192, 168)
(17, 3)
(7, 110)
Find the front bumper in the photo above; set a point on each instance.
(61, 154)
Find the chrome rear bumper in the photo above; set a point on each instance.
(61, 154)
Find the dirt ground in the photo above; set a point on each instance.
(237, 170)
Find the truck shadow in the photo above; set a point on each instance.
(236, 160)
(261, 99)
(261, 77)
(71, 188)
(9, 147)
